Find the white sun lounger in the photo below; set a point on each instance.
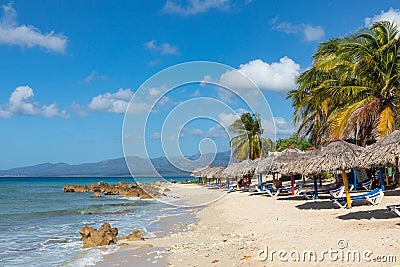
(394, 208)
(374, 197)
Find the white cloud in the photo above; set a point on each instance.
(193, 7)
(278, 126)
(310, 32)
(206, 79)
(226, 119)
(157, 91)
(26, 35)
(392, 15)
(277, 76)
(80, 110)
(313, 33)
(163, 49)
(112, 102)
(94, 76)
(21, 102)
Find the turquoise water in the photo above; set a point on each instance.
(40, 223)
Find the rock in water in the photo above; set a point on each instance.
(75, 188)
(143, 191)
(102, 237)
(96, 194)
(136, 235)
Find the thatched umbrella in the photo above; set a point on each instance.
(230, 171)
(338, 155)
(298, 166)
(214, 172)
(263, 165)
(287, 156)
(246, 167)
(384, 153)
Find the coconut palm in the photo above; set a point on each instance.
(352, 89)
(247, 140)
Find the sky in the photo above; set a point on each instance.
(69, 70)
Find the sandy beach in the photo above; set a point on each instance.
(243, 230)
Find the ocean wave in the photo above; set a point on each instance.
(90, 257)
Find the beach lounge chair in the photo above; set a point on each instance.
(336, 192)
(366, 184)
(394, 208)
(267, 190)
(374, 197)
(288, 189)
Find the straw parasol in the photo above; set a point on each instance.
(198, 171)
(338, 155)
(287, 156)
(230, 171)
(215, 172)
(299, 165)
(246, 167)
(263, 165)
(384, 153)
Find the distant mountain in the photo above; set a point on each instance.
(118, 167)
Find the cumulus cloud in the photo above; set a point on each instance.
(392, 15)
(27, 35)
(277, 126)
(78, 109)
(277, 76)
(163, 49)
(21, 102)
(226, 119)
(193, 7)
(112, 102)
(310, 32)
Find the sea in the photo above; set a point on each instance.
(39, 223)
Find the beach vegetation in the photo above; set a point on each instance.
(247, 140)
(352, 90)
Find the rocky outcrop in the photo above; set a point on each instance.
(102, 237)
(136, 235)
(76, 188)
(142, 191)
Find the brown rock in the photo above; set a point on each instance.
(123, 245)
(96, 194)
(136, 235)
(75, 188)
(104, 236)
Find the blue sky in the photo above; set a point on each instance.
(70, 68)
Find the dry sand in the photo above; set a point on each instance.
(234, 230)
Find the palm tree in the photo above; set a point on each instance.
(247, 142)
(352, 89)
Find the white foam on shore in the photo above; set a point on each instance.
(91, 256)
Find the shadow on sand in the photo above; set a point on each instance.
(395, 192)
(317, 205)
(380, 214)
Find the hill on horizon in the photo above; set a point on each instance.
(117, 167)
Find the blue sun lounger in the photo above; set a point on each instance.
(336, 192)
(394, 208)
(374, 197)
(288, 189)
(366, 184)
(267, 190)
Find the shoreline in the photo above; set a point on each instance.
(233, 231)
